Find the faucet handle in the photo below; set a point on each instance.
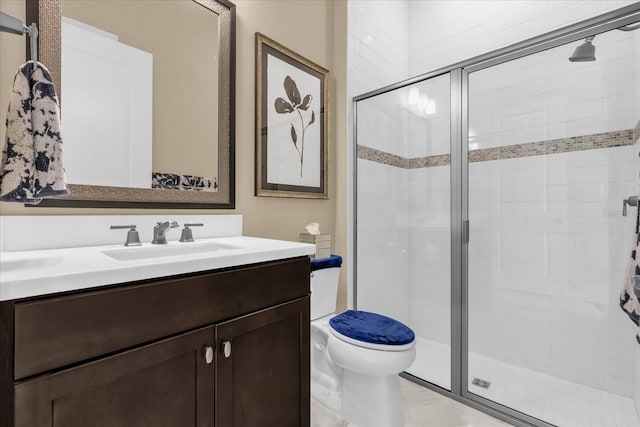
(133, 238)
(187, 235)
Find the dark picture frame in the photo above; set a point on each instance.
(292, 123)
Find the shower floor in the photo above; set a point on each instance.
(554, 400)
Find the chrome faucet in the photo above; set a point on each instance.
(160, 230)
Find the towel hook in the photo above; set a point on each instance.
(13, 25)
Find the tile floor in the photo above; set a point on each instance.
(555, 400)
(422, 408)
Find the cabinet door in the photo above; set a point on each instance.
(262, 368)
(168, 383)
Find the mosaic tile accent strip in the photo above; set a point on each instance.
(539, 148)
(368, 153)
(554, 146)
(430, 161)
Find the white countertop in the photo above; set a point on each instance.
(41, 272)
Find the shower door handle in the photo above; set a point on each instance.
(465, 231)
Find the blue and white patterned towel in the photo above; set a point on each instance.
(629, 301)
(31, 167)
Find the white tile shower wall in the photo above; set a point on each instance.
(547, 255)
(378, 56)
(428, 135)
(391, 125)
(545, 96)
(378, 44)
(414, 207)
(443, 32)
(549, 242)
(430, 253)
(382, 239)
(382, 124)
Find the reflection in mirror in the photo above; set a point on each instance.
(130, 93)
(148, 99)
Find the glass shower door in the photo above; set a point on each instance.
(552, 154)
(403, 245)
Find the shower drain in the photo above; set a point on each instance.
(481, 383)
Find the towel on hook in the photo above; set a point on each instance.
(31, 167)
(629, 299)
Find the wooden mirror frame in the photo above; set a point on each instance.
(48, 15)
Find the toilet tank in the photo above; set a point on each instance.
(325, 273)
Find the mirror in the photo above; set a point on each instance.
(174, 147)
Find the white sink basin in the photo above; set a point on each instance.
(160, 251)
(25, 274)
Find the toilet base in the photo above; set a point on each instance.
(326, 390)
(372, 401)
(359, 384)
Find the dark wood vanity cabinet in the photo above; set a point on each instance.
(167, 383)
(262, 375)
(223, 348)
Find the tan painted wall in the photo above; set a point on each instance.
(316, 29)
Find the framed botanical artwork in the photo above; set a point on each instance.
(292, 123)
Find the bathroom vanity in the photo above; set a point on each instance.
(224, 346)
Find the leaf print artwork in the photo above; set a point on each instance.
(296, 104)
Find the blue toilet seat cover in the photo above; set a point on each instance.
(372, 328)
(322, 263)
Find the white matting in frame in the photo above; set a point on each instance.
(291, 123)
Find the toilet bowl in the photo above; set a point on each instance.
(356, 356)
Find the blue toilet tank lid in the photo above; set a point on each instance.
(331, 262)
(372, 328)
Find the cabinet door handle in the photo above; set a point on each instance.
(208, 354)
(226, 349)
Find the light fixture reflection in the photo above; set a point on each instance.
(431, 107)
(414, 96)
(421, 102)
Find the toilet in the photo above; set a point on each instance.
(356, 356)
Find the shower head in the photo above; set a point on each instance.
(585, 52)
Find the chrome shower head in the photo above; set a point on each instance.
(585, 52)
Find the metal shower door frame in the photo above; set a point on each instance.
(459, 179)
